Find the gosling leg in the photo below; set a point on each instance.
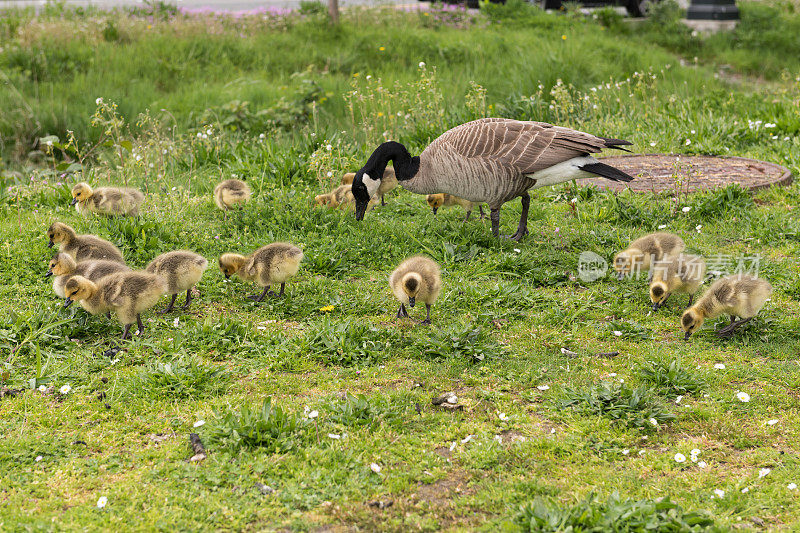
(733, 326)
(691, 299)
(188, 299)
(139, 324)
(171, 305)
(259, 297)
(126, 332)
(494, 216)
(402, 313)
(427, 320)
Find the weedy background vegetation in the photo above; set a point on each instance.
(547, 439)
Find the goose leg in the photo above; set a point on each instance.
(733, 326)
(480, 208)
(427, 320)
(188, 299)
(171, 305)
(494, 216)
(468, 214)
(139, 324)
(383, 200)
(283, 286)
(259, 297)
(522, 229)
(691, 298)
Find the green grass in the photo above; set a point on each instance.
(545, 439)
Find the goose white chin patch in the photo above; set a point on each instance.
(371, 184)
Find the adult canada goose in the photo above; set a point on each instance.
(491, 160)
(388, 182)
(736, 295)
(106, 200)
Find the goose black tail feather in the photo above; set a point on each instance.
(616, 144)
(607, 171)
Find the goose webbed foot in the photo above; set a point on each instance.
(728, 331)
(427, 321)
(259, 297)
(171, 305)
(521, 232)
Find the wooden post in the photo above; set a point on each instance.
(333, 10)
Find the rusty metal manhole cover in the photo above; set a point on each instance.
(688, 173)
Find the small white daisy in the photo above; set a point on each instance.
(543, 387)
(503, 417)
(617, 333)
(791, 486)
(719, 366)
(313, 414)
(686, 209)
(662, 226)
(198, 423)
(680, 458)
(702, 464)
(764, 472)
(772, 422)
(655, 423)
(65, 389)
(101, 502)
(720, 493)
(743, 397)
(375, 467)
(678, 399)
(421, 64)
(745, 490)
(626, 451)
(334, 436)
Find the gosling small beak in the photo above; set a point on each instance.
(67, 302)
(435, 209)
(655, 306)
(50, 244)
(49, 273)
(74, 201)
(411, 301)
(687, 335)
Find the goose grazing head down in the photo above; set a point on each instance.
(493, 161)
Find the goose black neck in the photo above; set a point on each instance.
(405, 166)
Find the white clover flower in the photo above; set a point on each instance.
(743, 397)
(198, 423)
(764, 472)
(617, 333)
(39, 458)
(375, 467)
(687, 142)
(680, 458)
(719, 366)
(770, 125)
(653, 143)
(791, 486)
(543, 387)
(262, 136)
(686, 209)
(517, 250)
(329, 174)
(65, 389)
(176, 322)
(720, 493)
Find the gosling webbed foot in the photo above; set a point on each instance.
(170, 307)
(188, 300)
(426, 322)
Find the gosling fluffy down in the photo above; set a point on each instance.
(106, 200)
(273, 263)
(416, 279)
(229, 193)
(641, 253)
(342, 197)
(126, 293)
(64, 267)
(682, 274)
(388, 182)
(738, 296)
(181, 270)
(445, 200)
(82, 247)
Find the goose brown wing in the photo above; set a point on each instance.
(524, 146)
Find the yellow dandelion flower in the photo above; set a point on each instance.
(355, 75)
(381, 48)
(563, 37)
(326, 309)
(380, 113)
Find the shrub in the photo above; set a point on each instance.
(179, 379)
(672, 379)
(268, 427)
(635, 408)
(360, 411)
(612, 515)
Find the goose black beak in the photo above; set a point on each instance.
(435, 209)
(411, 301)
(361, 208)
(74, 201)
(49, 273)
(50, 244)
(68, 302)
(687, 335)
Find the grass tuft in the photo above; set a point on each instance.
(631, 407)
